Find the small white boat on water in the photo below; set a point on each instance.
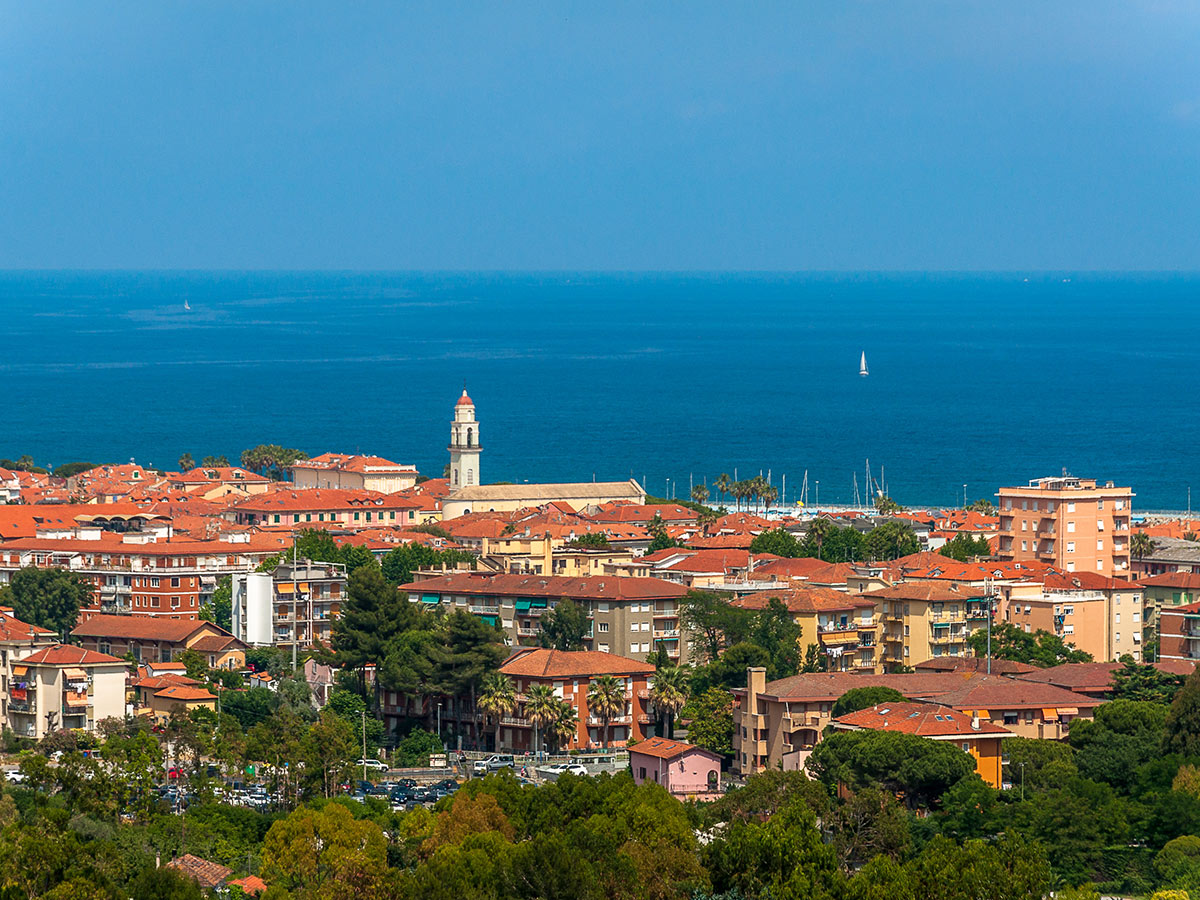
(862, 365)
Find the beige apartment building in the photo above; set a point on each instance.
(1070, 523)
(777, 724)
(1094, 613)
(629, 616)
(921, 620)
(353, 473)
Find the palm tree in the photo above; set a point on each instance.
(1189, 535)
(540, 708)
(700, 493)
(722, 483)
(669, 694)
(497, 698)
(818, 530)
(1141, 545)
(565, 725)
(186, 463)
(606, 699)
(769, 495)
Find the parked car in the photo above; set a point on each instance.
(377, 765)
(493, 763)
(560, 768)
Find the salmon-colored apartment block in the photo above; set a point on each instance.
(1070, 523)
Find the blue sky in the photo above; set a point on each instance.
(879, 135)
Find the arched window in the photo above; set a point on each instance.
(470, 476)
(456, 477)
(469, 430)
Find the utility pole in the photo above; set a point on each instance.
(987, 589)
(295, 591)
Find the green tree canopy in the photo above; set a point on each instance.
(1124, 735)
(1144, 681)
(1183, 720)
(711, 721)
(66, 470)
(1039, 648)
(922, 769)
(565, 627)
(964, 547)
(777, 541)
(48, 598)
(862, 698)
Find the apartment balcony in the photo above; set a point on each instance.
(526, 631)
(644, 694)
(947, 637)
(671, 634)
(666, 614)
(863, 664)
(615, 720)
(484, 610)
(839, 636)
(645, 719)
(23, 707)
(514, 721)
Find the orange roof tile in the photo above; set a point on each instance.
(924, 719)
(65, 655)
(664, 748)
(540, 662)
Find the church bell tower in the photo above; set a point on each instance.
(464, 444)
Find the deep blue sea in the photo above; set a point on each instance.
(976, 379)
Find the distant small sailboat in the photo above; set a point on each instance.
(862, 365)
(187, 306)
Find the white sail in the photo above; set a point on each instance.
(862, 365)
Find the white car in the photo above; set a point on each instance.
(565, 768)
(375, 764)
(15, 777)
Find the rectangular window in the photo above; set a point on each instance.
(1117, 618)
(1070, 528)
(603, 628)
(966, 745)
(1117, 635)
(154, 582)
(276, 518)
(1071, 506)
(1070, 546)
(1137, 616)
(1100, 503)
(175, 582)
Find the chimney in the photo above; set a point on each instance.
(975, 721)
(756, 683)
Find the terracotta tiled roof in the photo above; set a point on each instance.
(205, 873)
(184, 694)
(1188, 580)
(215, 643)
(723, 542)
(663, 748)
(924, 719)
(158, 682)
(807, 600)
(64, 655)
(790, 568)
(990, 692)
(626, 513)
(143, 628)
(541, 662)
(251, 884)
(929, 591)
(1095, 677)
(600, 587)
(973, 664)
(13, 629)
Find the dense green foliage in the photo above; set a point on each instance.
(66, 470)
(824, 540)
(565, 627)
(862, 698)
(964, 547)
(271, 460)
(48, 598)
(1039, 648)
(1143, 681)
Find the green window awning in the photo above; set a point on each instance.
(523, 605)
(431, 598)
(491, 620)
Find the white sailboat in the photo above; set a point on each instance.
(862, 365)
(187, 306)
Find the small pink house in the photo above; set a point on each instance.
(685, 770)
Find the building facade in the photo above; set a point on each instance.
(60, 687)
(1071, 523)
(295, 604)
(1095, 613)
(687, 772)
(353, 472)
(628, 616)
(570, 674)
(157, 640)
(921, 620)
